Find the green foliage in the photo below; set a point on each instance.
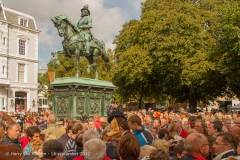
(179, 37)
(229, 45)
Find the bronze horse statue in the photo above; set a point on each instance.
(73, 44)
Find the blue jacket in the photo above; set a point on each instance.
(144, 136)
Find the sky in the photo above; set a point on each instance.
(108, 16)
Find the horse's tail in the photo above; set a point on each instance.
(104, 53)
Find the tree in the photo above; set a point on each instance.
(229, 46)
(179, 37)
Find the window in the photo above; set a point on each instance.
(21, 72)
(22, 47)
(23, 22)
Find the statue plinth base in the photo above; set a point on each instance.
(73, 97)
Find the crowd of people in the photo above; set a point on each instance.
(122, 135)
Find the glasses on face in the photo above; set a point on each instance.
(218, 144)
(237, 122)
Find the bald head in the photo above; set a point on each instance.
(197, 143)
(52, 119)
(235, 130)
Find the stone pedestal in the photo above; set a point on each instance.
(73, 97)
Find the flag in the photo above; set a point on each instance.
(51, 76)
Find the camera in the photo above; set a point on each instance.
(175, 142)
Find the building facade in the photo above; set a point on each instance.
(18, 60)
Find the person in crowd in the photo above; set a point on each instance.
(235, 130)
(61, 124)
(225, 146)
(119, 127)
(157, 123)
(159, 154)
(9, 152)
(164, 134)
(164, 123)
(227, 123)
(25, 127)
(71, 145)
(12, 136)
(75, 152)
(211, 140)
(214, 128)
(51, 128)
(143, 135)
(111, 108)
(37, 149)
(65, 137)
(154, 132)
(91, 124)
(148, 122)
(2, 133)
(237, 122)
(94, 149)
(97, 123)
(178, 122)
(161, 144)
(192, 120)
(128, 147)
(89, 134)
(32, 134)
(201, 127)
(179, 150)
(174, 132)
(145, 152)
(52, 150)
(196, 146)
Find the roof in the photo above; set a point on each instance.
(82, 82)
(12, 16)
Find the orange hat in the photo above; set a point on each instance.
(157, 114)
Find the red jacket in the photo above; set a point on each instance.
(25, 141)
(82, 158)
(183, 133)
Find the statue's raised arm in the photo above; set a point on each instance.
(84, 25)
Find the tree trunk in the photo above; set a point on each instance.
(140, 102)
(192, 103)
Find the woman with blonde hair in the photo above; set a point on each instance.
(174, 132)
(161, 144)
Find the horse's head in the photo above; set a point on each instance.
(60, 25)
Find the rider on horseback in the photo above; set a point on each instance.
(84, 25)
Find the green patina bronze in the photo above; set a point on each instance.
(79, 41)
(74, 96)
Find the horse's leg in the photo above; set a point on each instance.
(95, 64)
(77, 57)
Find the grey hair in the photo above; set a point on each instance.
(89, 134)
(94, 149)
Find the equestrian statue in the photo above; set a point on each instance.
(79, 41)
